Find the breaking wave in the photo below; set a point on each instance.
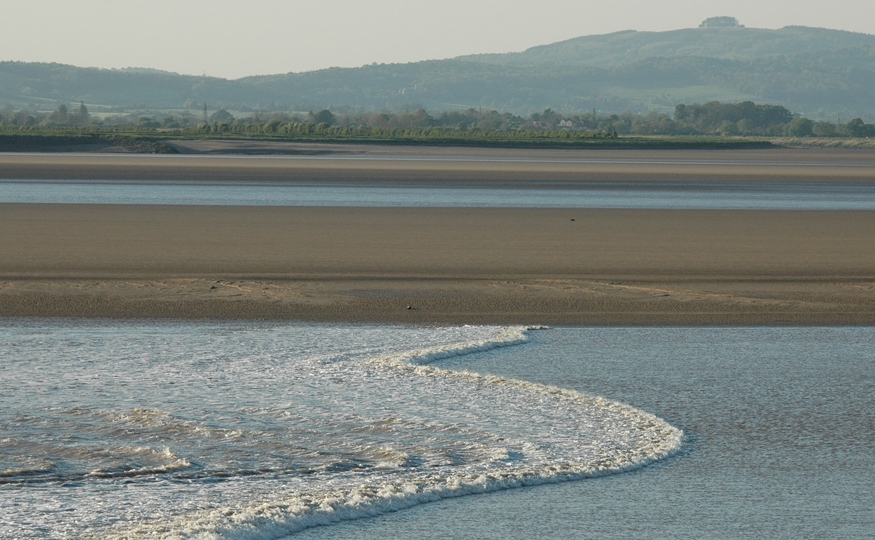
(617, 438)
(205, 430)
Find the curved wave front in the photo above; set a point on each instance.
(505, 434)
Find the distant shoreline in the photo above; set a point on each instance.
(397, 166)
(178, 143)
(167, 142)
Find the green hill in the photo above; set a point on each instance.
(816, 72)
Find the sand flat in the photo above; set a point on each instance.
(450, 265)
(65, 240)
(360, 164)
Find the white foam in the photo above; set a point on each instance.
(505, 337)
(24, 471)
(173, 463)
(634, 439)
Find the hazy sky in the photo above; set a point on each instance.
(234, 38)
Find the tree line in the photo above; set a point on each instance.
(711, 119)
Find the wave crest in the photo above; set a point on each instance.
(646, 438)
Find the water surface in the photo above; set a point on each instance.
(153, 426)
(780, 439)
(145, 429)
(704, 196)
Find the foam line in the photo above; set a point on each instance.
(507, 337)
(276, 517)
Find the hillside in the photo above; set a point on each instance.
(628, 47)
(816, 72)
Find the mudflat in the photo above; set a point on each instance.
(447, 167)
(438, 265)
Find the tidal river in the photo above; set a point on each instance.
(260, 430)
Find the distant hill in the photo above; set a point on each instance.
(630, 46)
(817, 72)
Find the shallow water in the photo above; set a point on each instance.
(780, 439)
(186, 429)
(693, 196)
(176, 429)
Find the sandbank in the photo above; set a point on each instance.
(325, 164)
(439, 265)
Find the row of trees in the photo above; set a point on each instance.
(714, 118)
(722, 119)
(79, 116)
(294, 129)
(62, 116)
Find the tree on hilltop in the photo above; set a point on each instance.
(720, 22)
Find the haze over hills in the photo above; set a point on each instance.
(630, 46)
(816, 72)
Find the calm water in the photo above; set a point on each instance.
(780, 439)
(256, 430)
(740, 196)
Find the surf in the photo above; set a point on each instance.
(372, 424)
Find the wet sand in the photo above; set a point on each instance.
(448, 167)
(527, 266)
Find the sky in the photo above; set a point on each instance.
(233, 38)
